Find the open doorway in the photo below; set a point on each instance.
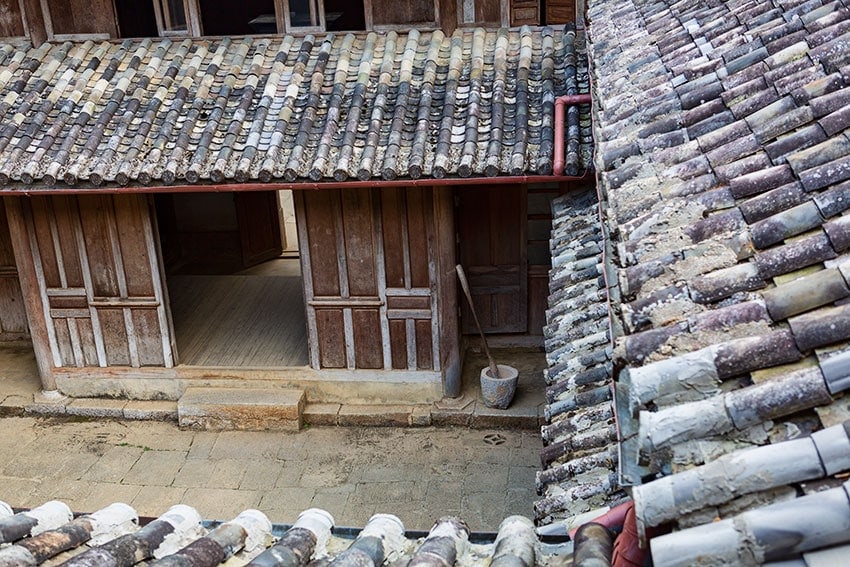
(236, 297)
(18, 370)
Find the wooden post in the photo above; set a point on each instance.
(30, 289)
(447, 298)
(34, 22)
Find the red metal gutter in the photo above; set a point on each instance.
(12, 190)
(560, 105)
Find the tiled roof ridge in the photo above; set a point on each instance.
(579, 460)
(724, 158)
(332, 107)
(112, 535)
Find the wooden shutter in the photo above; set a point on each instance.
(97, 270)
(368, 262)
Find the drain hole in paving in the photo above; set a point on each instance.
(494, 439)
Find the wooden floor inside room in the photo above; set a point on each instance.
(239, 320)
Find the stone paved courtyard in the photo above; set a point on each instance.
(418, 474)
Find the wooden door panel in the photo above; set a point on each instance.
(98, 275)
(259, 226)
(369, 254)
(492, 235)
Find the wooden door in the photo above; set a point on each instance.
(13, 316)
(492, 240)
(370, 277)
(95, 262)
(259, 226)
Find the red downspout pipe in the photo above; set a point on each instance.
(560, 104)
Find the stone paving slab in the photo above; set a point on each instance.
(418, 473)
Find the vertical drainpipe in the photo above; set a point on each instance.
(105, 524)
(309, 535)
(560, 107)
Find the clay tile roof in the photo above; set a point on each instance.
(724, 163)
(115, 535)
(365, 106)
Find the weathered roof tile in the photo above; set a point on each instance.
(235, 110)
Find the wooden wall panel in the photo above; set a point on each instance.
(11, 19)
(146, 327)
(115, 336)
(403, 12)
(331, 330)
(493, 247)
(74, 17)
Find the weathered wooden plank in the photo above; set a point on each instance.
(398, 344)
(424, 345)
(392, 207)
(82, 17)
(95, 217)
(64, 209)
(131, 218)
(368, 352)
(405, 12)
(331, 333)
(148, 335)
(114, 335)
(409, 314)
(401, 302)
(418, 232)
(43, 225)
(11, 19)
(359, 241)
(13, 320)
(87, 342)
(64, 341)
(321, 241)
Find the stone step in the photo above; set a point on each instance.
(267, 409)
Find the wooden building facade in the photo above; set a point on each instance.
(60, 20)
(142, 178)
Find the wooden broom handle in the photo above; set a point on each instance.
(494, 370)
